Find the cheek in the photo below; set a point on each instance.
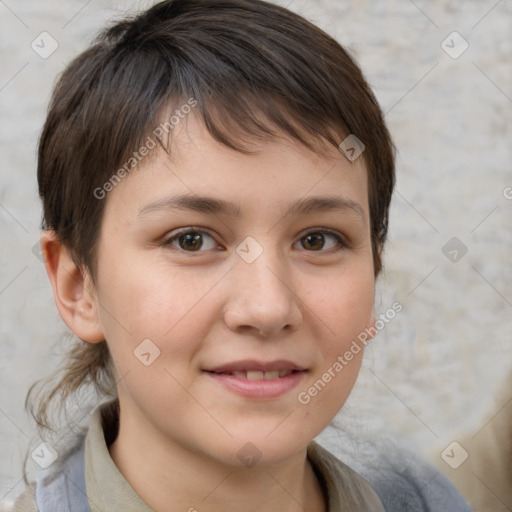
(153, 300)
(343, 310)
(173, 308)
(344, 305)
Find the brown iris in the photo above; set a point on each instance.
(191, 241)
(313, 241)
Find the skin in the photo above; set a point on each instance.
(303, 299)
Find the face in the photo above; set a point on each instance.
(227, 286)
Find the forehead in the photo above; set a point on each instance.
(278, 171)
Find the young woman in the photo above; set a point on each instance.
(216, 178)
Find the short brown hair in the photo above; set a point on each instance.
(237, 59)
(255, 69)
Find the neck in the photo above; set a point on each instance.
(170, 477)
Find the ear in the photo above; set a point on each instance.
(73, 290)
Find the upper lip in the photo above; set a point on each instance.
(253, 365)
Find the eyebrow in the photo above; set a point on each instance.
(211, 205)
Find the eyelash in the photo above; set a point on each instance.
(342, 243)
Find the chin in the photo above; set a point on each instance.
(263, 451)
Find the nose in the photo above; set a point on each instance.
(262, 300)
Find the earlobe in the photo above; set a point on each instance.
(72, 290)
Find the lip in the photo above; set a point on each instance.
(262, 389)
(253, 364)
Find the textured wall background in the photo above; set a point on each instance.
(432, 373)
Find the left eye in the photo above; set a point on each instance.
(316, 240)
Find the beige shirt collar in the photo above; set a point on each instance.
(107, 489)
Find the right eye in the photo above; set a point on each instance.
(191, 240)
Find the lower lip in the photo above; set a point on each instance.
(258, 388)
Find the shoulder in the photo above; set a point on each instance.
(485, 477)
(402, 480)
(412, 484)
(52, 489)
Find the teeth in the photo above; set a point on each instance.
(257, 375)
(254, 375)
